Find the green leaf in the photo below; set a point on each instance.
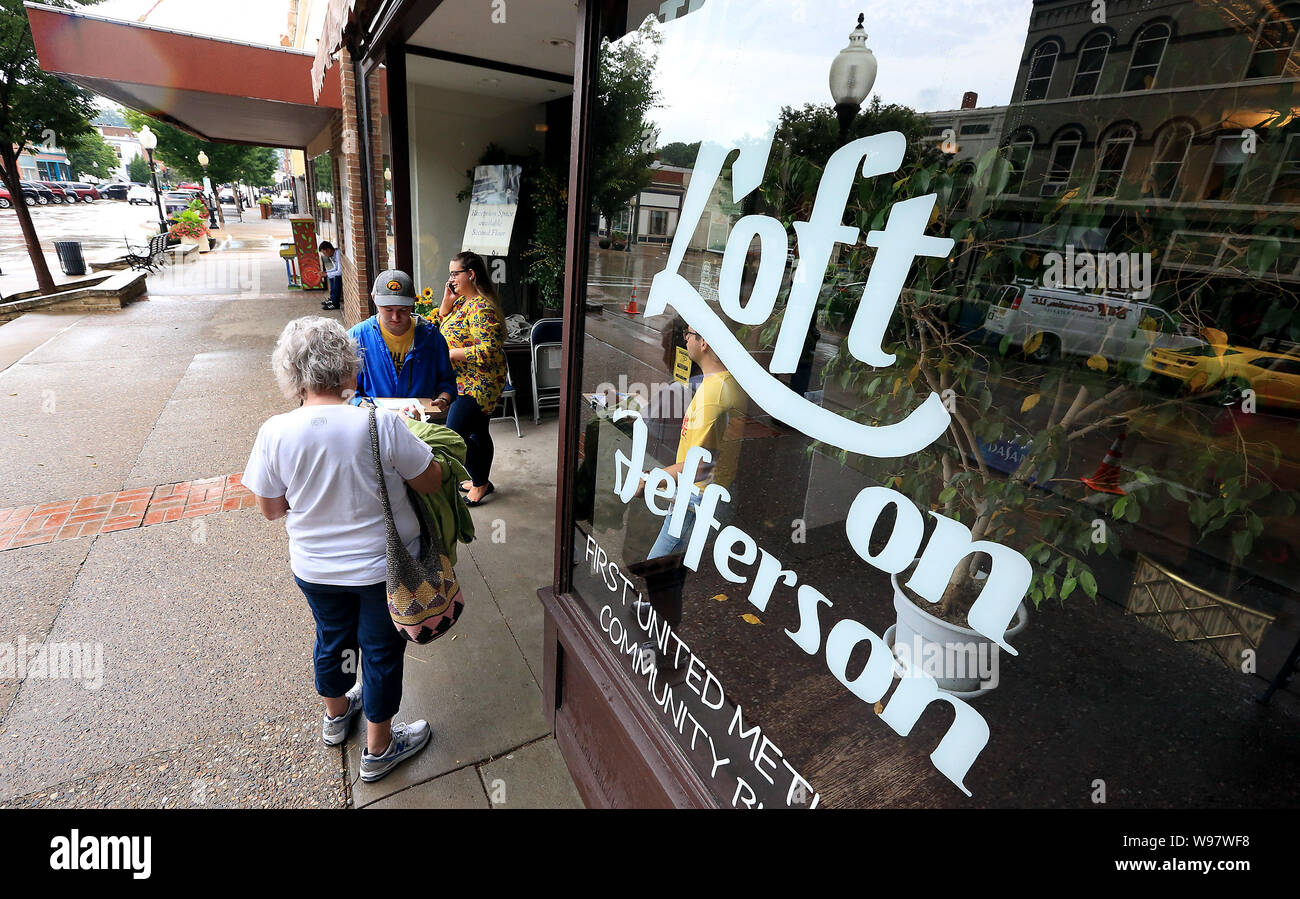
(1176, 491)
(1067, 587)
(1242, 542)
(946, 494)
(1089, 583)
(1117, 510)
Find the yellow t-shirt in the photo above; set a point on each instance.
(715, 421)
(399, 347)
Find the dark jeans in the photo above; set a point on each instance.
(336, 290)
(348, 619)
(471, 423)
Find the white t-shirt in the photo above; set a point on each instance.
(319, 459)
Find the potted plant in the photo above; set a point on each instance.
(324, 207)
(189, 227)
(545, 253)
(264, 203)
(603, 242)
(620, 240)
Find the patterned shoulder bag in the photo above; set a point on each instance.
(423, 595)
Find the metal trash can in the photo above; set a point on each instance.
(70, 258)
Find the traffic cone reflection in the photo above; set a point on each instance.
(630, 308)
(1106, 480)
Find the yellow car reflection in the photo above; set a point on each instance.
(1231, 370)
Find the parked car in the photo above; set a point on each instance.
(44, 196)
(115, 191)
(190, 185)
(176, 200)
(7, 202)
(140, 193)
(1231, 370)
(1049, 322)
(227, 196)
(85, 193)
(62, 194)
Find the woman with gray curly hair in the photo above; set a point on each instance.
(314, 468)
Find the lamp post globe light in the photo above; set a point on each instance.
(207, 191)
(149, 140)
(853, 73)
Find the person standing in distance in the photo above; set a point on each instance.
(333, 273)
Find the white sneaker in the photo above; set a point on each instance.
(408, 739)
(335, 730)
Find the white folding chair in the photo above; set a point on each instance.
(508, 396)
(546, 352)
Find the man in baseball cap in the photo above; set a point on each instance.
(402, 355)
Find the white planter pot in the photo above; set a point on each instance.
(958, 658)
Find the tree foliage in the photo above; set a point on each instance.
(137, 170)
(621, 133)
(35, 108)
(227, 163)
(678, 153)
(90, 154)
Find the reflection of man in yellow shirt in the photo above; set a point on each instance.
(714, 421)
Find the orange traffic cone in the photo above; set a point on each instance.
(1106, 480)
(630, 308)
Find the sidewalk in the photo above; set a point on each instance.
(128, 535)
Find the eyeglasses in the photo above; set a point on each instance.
(459, 271)
(688, 334)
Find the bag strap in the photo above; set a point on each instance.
(379, 472)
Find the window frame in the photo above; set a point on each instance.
(1112, 135)
(1292, 139)
(1209, 171)
(1264, 21)
(1166, 133)
(1020, 139)
(1078, 69)
(1137, 41)
(1057, 47)
(1061, 139)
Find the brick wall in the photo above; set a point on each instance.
(356, 280)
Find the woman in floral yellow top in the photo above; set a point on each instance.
(472, 324)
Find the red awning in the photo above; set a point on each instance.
(216, 89)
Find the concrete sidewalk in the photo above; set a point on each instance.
(205, 696)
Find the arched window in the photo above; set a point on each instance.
(1275, 43)
(1092, 57)
(1226, 169)
(1148, 49)
(1017, 154)
(1060, 165)
(1172, 144)
(1041, 64)
(1112, 160)
(1286, 182)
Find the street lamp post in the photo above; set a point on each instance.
(853, 73)
(149, 140)
(207, 192)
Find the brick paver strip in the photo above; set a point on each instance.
(104, 513)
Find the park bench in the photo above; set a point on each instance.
(148, 258)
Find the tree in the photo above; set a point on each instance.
(35, 108)
(621, 134)
(227, 163)
(90, 154)
(678, 153)
(324, 173)
(137, 170)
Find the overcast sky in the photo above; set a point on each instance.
(779, 52)
(254, 21)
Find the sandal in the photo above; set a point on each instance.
(486, 493)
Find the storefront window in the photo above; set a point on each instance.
(914, 475)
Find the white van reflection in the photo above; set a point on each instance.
(1047, 322)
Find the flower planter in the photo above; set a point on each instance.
(948, 652)
(324, 214)
(266, 210)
